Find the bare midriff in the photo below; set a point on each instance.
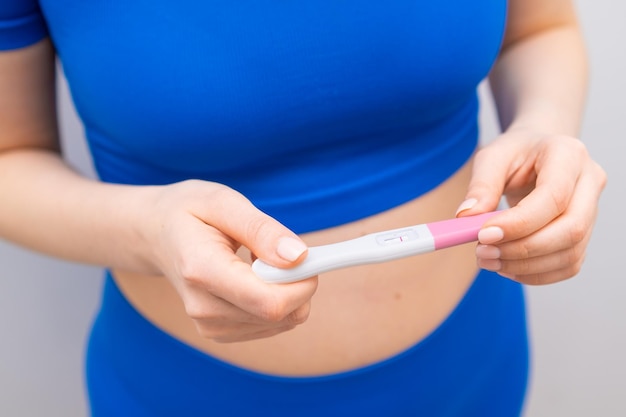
(359, 315)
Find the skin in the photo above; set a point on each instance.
(181, 252)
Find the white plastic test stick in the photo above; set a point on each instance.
(378, 247)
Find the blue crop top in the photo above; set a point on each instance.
(320, 111)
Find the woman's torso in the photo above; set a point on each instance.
(326, 114)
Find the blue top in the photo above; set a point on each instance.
(320, 111)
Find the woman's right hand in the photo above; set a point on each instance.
(194, 231)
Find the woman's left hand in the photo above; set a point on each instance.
(552, 186)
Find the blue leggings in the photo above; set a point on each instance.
(474, 364)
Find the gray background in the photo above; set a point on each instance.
(577, 327)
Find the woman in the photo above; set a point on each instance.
(224, 131)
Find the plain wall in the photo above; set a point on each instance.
(576, 327)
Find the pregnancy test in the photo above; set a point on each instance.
(378, 247)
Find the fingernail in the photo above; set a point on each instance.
(487, 252)
(490, 235)
(290, 249)
(466, 205)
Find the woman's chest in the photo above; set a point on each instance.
(213, 76)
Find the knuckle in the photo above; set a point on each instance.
(481, 186)
(573, 145)
(577, 233)
(216, 330)
(299, 315)
(520, 224)
(196, 310)
(577, 145)
(196, 275)
(189, 272)
(560, 199)
(524, 250)
(574, 255)
(257, 228)
(522, 267)
(530, 280)
(578, 265)
(601, 174)
(220, 193)
(287, 328)
(213, 333)
(220, 197)
(273, 310)
(202, 312)
(534, 280)
(486, 153)
(572, 270)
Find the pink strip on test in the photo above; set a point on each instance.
(453, 232)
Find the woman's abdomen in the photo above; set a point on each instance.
(359, 315)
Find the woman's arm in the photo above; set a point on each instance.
(45, 205)
(540, 78)
(552, 185)
(188, 231)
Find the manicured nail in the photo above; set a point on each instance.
(466, 205)
(487, 252)
(490, 235)
(290, 249)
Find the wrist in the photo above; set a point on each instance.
(142, 223)
(545, 119)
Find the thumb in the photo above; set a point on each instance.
(267, 239)
(489, 176)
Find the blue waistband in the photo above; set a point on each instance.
(475, 363)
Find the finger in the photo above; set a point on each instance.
(264, 236)
(238, 331)
(489, 173)
(217, 319)
(236, 283)
(566, 231)
(222, 273)
(560, 246)
(558, 170)
(211, 311)
(538, 265)
(546, 278)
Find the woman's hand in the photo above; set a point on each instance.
(196, 229)
(553, 187)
